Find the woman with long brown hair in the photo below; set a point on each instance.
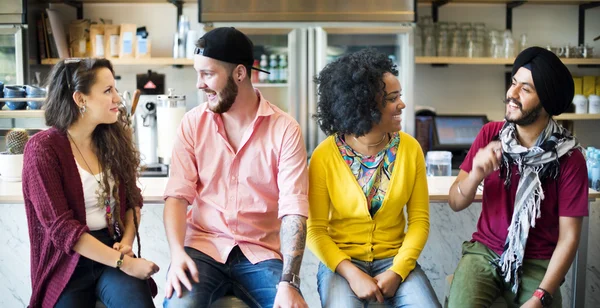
(81, 198)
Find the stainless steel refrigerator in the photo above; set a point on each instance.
(309, 46)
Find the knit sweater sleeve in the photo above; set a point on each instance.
(318, 239)
(44, 187)
(417, 210)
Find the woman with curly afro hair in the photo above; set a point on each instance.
(362, 177)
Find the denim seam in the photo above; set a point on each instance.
(210, 299)
(247, 294)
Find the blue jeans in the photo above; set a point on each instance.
(92, 281)
(414, 291)
(255, 284)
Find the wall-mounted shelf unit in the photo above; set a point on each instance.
(141, 61)
(496, 61)
(584, 5)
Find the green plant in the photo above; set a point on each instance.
(16, 140)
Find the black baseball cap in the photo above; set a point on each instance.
(230, 45)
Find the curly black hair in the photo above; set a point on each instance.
(348, 90)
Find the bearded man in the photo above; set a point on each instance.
(240, 162)
(535, 193)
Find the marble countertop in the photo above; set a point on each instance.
(152, 191)
(153, 188)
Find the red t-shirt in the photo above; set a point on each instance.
(565, 196)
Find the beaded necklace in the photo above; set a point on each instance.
(103, 196)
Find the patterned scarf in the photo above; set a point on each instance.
(373, 173)
(535, 165)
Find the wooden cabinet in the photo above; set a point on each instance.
(306, 10)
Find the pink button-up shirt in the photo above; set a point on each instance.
(238, 198)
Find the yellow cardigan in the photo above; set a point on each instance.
(340, 226)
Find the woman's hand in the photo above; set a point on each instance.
(139, 268)
(124, 248)
(364, 286)
(388, 282)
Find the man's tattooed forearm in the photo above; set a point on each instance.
(293, 241)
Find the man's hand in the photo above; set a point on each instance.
(533, 302)
(288, 297)
(487, 160)
(388, 282)
(181, 263)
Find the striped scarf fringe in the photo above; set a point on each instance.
(535, 165)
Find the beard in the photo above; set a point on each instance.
(528, 116)
(226, 97)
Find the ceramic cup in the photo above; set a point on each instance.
(15, 92)
(35, 92)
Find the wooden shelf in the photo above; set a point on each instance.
(143, 61)
(568, 2)
(21, 114)
(574, 61)
(576, 116)
(31, 99)
(270, 85)
(495, 61)
(463, 60)
(116, 1)
(418, 60)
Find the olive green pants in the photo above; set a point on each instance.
(478, 283)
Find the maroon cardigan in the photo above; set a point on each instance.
(54, 203)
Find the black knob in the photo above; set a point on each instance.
(150, 106)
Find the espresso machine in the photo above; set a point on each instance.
(157, 120)
(146, 128)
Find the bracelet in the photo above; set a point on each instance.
(297, 288)
(120, 261)
(544, 296)
(543, 290)
(459, 191)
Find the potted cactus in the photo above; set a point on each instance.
(11, 161)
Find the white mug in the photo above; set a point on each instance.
(594, 101)
(581, 103)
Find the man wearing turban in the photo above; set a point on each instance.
(535, 193)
